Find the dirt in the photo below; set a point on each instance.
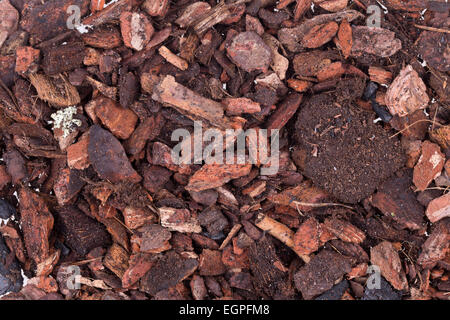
(348, 155)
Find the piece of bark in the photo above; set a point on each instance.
(321, 273)
(380, 75)
(206, 198)
(57, 91)
(162, 156)
(27, 60)
(407, 5)
(210, 263)
(387, 259)
(344, 230)
(331, 5)
(81, 233)
(319, 35)
(9, 18)
(395, 199)
(432, 48)
(63, 58)
(67, 186)
(103, 37)
(180, 220)
(377, 41)
(308, 64)
(137, 217)
(5, 178)
(114, 227)
(410, 131)
(198, 288)
(284, 112)
(253, 24)
(15, 166)
(168, 91)
(291, 37)
(57, 18)
(249, 52)
(280, 63)
(307, 238)
(37, 223)
(119, 120)
(136, 30)
(407, 93)
(279, 231)
(336, 70)
(429, 166)
(156, 8)
(192, 12)
(213, 220)
(167, 272)
(138, 266)
(238, 106)
(345, 37)
(108, 157)
(155, 177)
(216, 175)
(438, 208)
(77, 154)
(152, 238)
(303, 193)
(437, 246)
(172, 58)
(116, 260)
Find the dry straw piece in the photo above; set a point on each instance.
(57, 91)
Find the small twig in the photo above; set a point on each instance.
(432, 28)
(409, 126)
(320, 205)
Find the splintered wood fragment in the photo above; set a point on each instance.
(57, 91)
(279, 231)
(108, 14)
(216, 15)
(379, 75)
(169, 92)
(232, 233)
(173, 58)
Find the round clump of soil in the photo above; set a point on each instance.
(344, 151)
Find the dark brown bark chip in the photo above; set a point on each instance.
(108, 157)
(160, 277)
(353, 156)
(321, 273)
(81, 233)
(396, 200)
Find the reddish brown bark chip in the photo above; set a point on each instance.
(160, 277)
(318, 35)
(210, 263)
(438, 208)
(407, 5)
(216, 175)
(192, 12)
(345, 38)
(37, 223)
(116, 260)
(198, 288)
(407, 93)
(284, 112)
(136, 30)
(387, 259)
(139, 265)
(307, 237)
(396, 200)
(344, 230)
(377, 41)
(152, 238)
(332, 5)
(67, 186)
(238, 106)
(308, 64)
(321, 273)
(156, 8)
(108, 157)
(27, 60)
(103, 37)
(249, 52)
(137, 217)
(180, 220)
(437, 246)
(77, 154)
(429, 166)
(119, 120)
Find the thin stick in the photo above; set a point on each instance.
(320, 205)
(232, 233)
(432, 28)
(409, 126)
